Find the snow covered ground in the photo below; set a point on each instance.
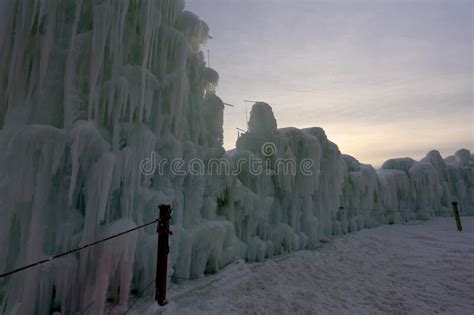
(407, 268)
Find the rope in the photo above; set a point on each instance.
(139, 296)
(74, 250)
(90, 304)
(145, 289)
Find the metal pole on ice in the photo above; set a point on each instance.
(163, 231)
(456, 215)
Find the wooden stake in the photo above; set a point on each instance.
(163, 231)
(456, 215)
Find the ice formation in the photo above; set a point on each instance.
(90, 89)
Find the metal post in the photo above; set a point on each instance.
(456, 215)
(163, 231)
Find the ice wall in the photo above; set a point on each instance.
(90, 89)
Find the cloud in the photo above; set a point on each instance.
(365, 68)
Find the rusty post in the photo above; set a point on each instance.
(456, 215)
(163, 231)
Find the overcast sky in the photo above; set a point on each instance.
(383, 78)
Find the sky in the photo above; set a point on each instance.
(383, 78)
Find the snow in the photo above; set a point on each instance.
(405, 268)
(90, 89)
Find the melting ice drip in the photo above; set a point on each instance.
(89, 88)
